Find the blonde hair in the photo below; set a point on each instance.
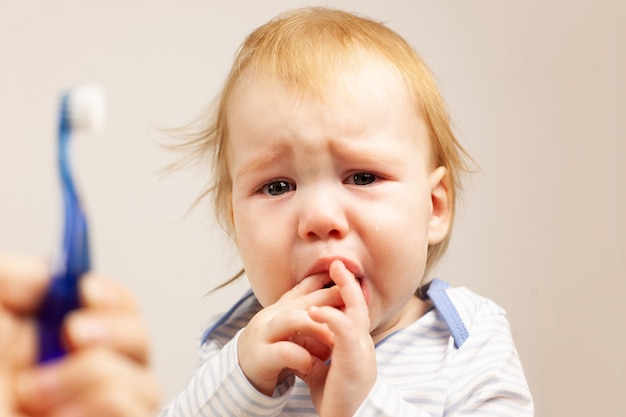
(306, 48)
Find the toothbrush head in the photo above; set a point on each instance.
(86, 108)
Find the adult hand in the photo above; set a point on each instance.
(106, 372)
(22, 285)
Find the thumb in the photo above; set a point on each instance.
(316, 380)
(23, 282)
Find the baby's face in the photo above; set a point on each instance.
(345, 177)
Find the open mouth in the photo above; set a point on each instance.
(322, 267)
(361, 285)
(332, 284)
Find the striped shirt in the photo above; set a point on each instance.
(458, 359)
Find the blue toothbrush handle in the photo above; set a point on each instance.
(62, 297)
(63, 294)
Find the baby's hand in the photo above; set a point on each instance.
(106, 373)
(339, 388)
(283, 337)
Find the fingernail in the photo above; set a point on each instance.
(96, 294)
(86, 330)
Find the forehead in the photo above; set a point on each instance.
(362, 91)
(367, 107)
(320, 78)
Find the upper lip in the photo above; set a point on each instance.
(323, 265)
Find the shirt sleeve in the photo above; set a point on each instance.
(219, 388)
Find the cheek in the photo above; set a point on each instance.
(262, 250)
(248, 227)
(405, 216)
(400, 232)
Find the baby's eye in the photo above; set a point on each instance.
(361, 178)
(277, 187)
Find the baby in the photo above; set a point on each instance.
(336, 173)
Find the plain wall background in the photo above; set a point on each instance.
(537, 94)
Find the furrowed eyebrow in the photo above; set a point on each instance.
(261, 162)
(359, 154)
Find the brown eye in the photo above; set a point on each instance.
(361, 178)
(277, 188)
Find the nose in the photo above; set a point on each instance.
(322, 215)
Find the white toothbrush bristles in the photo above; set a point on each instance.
(86, 108)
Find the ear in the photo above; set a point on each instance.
(440, 207)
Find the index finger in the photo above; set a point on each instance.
(350, 290)
(306, 286)
(104, 293)
(23, 281)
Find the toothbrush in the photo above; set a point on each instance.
(80, 109)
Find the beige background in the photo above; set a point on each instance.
(537, 93)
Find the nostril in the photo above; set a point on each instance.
(334, 233)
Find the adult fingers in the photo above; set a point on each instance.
(122, 331)
(100, 292)
(23, 281)
(17, 341)
(117, 403)
(96, 376)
